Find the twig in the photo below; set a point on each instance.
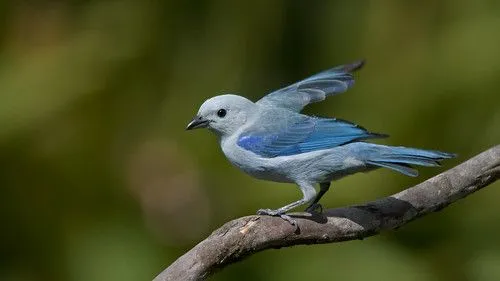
(245, 236)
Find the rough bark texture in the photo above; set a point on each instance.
(248, 235)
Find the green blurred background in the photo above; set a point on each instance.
(99, 180)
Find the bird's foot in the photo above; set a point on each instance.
(268, 212)
(277, 213)
(315, 208)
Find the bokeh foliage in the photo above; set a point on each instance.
(99, 180)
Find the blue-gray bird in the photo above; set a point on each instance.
(271, 140)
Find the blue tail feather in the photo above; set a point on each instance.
(400, 158)
(403, 169)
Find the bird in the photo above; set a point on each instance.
(271, 140)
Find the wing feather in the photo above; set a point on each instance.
(302, 134)
(313, 89)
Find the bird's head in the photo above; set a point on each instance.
(223, 114)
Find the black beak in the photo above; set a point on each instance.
(197, 123)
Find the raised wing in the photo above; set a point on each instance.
(313, 89)
(303, 134)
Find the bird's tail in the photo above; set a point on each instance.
(401, 158)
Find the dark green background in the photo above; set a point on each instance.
(99, 180)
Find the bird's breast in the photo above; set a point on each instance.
(251, 163)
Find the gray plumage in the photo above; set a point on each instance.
(271, 140)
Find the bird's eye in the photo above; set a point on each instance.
(221, 113)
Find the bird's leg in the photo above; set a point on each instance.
(323, 188)
(308, 192)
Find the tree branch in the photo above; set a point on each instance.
(248, 235)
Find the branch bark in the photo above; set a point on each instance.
(245, 236)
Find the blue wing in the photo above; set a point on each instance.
(303, 134)
(313, 89)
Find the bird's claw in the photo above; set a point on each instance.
(277, 213)
(315, 208)
(268, 212)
